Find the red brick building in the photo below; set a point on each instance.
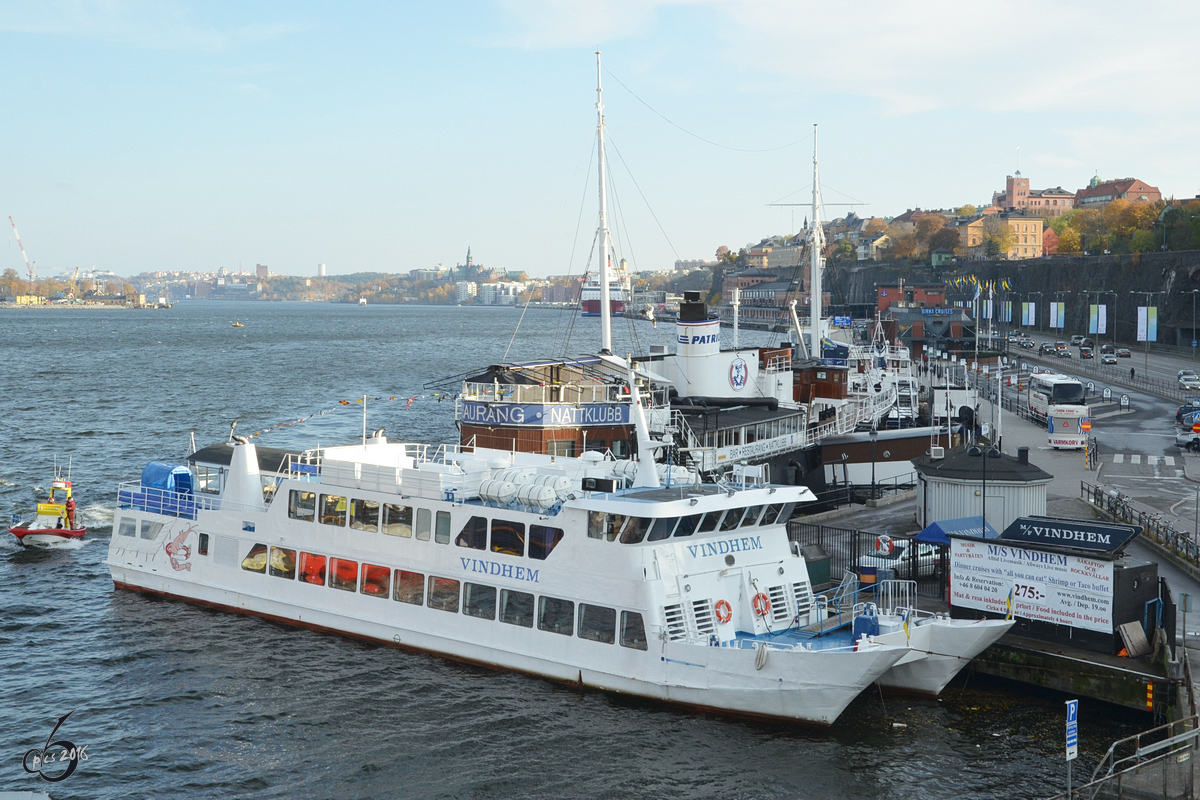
(1100, 193)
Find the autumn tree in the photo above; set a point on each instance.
(1068, 241)
(928, 225)
(844, 251)
(967, 210)
(944, 238)
(722, 253)
(997, 237)
(904, 244)
(875, 226)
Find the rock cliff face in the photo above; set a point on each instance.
(1172, 275)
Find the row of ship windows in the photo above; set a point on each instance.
(553, 614)
(507, 537)
(632, 530)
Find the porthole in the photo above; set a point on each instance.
(730, 559)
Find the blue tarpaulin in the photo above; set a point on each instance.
(172, 478)
(936, 532)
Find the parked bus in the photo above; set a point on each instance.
(1059, 402)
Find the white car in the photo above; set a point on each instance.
(1188, 379)
(900, 559)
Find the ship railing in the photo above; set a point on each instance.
(304, 466)
(135, 497)
(551, 394)
(778, 363)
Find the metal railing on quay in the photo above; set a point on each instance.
(1158, 763)
(1117, 374)
(846, 548)
(1179, 541)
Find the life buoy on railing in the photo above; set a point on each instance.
(724, 611)
(884, 545)
(762, 604)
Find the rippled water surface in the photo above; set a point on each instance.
(173, 700)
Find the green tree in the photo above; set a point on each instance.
(1143, 242)
(967, 210)
(844, 251)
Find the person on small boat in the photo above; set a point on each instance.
(71, 513)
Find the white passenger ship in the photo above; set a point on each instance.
(539, 564)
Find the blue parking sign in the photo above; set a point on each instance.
(1072, 729)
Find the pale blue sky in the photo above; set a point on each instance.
(390, 136)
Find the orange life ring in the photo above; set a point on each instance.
(724, 611)
(884, 545)
(762, 604)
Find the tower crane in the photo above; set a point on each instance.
(75, 284)
(28, 266)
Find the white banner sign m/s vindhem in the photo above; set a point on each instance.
(1049, 587)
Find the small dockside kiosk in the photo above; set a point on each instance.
(1090, 620)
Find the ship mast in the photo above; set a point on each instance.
(605, 301)
(816, 242)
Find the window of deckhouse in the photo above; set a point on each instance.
(443, 594)
(441, 530)
(687, 525)
(661, 529)
(751, 516)
(597, 623)
(376, 581)
(542, 540)
(771, 515)
(516, 608)
(283, 563)
(709, 523)
(312, 569)
(128, 527)
(397, 520)
(208, 479)
(333, 510)
(364, 515)
(202, 547)
(635, 531)
(479, 601)
(508, 537)
(473, 534)
(633, 630)
(424, 523)
(302, 505)
(732, 517)
(343, 574)
(410, 587)
(556, 615)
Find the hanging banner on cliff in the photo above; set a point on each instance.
(1044, 586)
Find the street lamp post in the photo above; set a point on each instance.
(975, 451)
(1146, 364)
(1193, 293)
(1113, 335)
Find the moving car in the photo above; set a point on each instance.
(1060, 345)
(1124, 353)
(1188, 379)
(1064, 353)
(1086, 352)
(1027, 343)
(1046, 348)
(1077, 339)
(1108, 348)
(1108, 358)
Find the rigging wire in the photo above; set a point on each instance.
(644, 200)
(697, 136)
(620, 220)
(571, 262)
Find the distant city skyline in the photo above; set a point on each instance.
(376, 137)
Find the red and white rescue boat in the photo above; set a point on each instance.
(55, 520)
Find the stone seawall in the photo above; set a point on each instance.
(1174, 275)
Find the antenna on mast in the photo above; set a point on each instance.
(817, 236)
